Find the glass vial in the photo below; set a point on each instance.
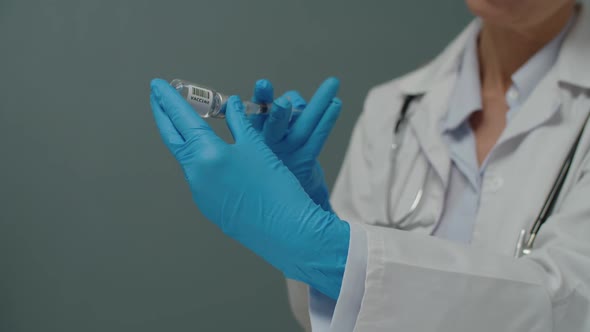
(209, 103)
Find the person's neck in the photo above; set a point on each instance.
(502, 51)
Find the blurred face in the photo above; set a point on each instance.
(517, 14)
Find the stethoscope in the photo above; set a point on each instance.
(397, 141)
(525, 242)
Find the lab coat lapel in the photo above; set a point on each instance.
(434, 83)
(425, 123)
(573, 64)
(543, 104)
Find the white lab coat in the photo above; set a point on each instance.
(419, 283)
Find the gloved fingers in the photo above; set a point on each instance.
(298, 103)
(170, 135)
(277, 124)
(263, 92)
(182, 116)
(257, 121)
(296, 100)
(237, 122)
(310, 117)
(316, 141)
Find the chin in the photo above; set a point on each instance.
(517, 13)
(498, 12)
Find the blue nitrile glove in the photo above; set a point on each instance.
(248, 192)
(298, 142)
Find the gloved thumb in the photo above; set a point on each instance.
(239, 126)
(263, 92)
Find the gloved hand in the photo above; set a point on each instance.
(298, 141)
(248, 192)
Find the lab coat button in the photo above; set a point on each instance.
(512, 94)
(493, 183)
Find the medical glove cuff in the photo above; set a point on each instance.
(325, 261)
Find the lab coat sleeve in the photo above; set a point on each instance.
(329, 315)
(416, 282)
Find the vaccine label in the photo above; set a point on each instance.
(200, 99)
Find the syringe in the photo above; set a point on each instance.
(209, 103)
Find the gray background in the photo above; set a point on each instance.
(97, 228)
